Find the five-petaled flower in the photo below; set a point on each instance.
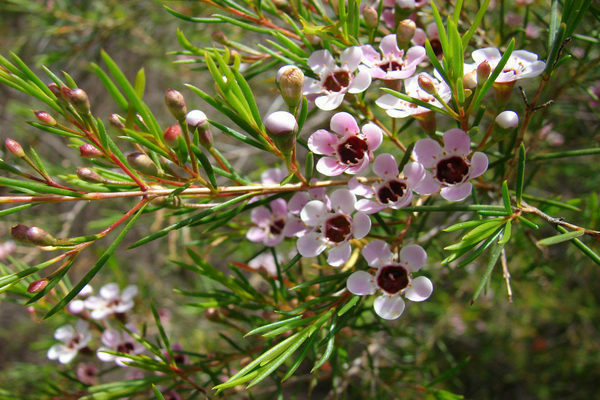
(121, 342)
(449, 168)
(334, 81)
(73, 340)
(334, 226)
(272, 226)
(393, 279)
(391, 190)
(348, 150)
(392, 64)
(521, 64)
(111, 301)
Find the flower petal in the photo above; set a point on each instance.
(278, 207)
(368, 206)
(338, 255)
(373, 135)
(428, 185)
(109, 291)
(479, 164)
(389, 47)
(491, 54)
(330, 101)
(361, 283)
(414, 173)
(65, 333)
(388, 101)
(389, 307)
(129, 292)
(359, 189)
(457, 141)
(330, 166)
(314, 213)
(260, 216)
(414, 256)
(321, 61)
(385, 166)
(377, 253)
(310, 245)
(255, 234)
(457, 192)
(293, 226)
(361, 81)
(67, 355)
(427, 151)
(421, 288)
(342, 200)
(361, 225)
(351, 57)
(370, 55)
(343, 124)
(297, 202)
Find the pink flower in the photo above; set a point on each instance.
(73, 340)
(273, 176)
(398, 108)
(393, 279)
(392, 190)
(450, 168)
(86, 373)
(120, 342)
(272, 225)
(111, 301)
(520, 65)
(333, 227)
(392, 63)
(431, 33)
(348, 150)
(336, 80)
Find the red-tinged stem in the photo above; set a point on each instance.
(488, 132)
(125, 216)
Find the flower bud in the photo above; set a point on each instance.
(79, 99)
(198, 124)
(171, 134)
(37, 286)
(282, 128)
(290, 81)
(142, 163)
(470, 80)
(45, 118)
(507, 120)
(483, 72)
(115, 121)
(405, 32)
(19, 233)
(427, 84)
(212, 314)
(14, 147)
(89, 151)
(370, 16)
(219, 37)
(39, 237)
(55, 89)
(176, 104)
(89, 175)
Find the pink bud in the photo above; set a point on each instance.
(89, 151)
(37, 286)
(45, 118)
(171, 134)
(176, 104)
(427, 84)
(14, 147)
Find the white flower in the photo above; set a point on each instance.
(73, 340)
(78, 305)
(111, 301)
(392, 63)
(521, 64)
(121, 342)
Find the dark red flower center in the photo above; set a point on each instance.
(391, 192)
(338, 228)
(452, 170)
(337, 81)
(436, 46)
(393, 278)
(352, 150)
(126, 347)
(276, 226)
(389, 66)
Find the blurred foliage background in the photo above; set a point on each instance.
(545, 344)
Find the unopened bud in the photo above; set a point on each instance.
(89, 175)
(142, 163)
(171, 134)
(19, 233)
(219, 37)
(89, 151)
(39, 237)
(55, 89)
(115, 121)
(176, 104)
(470, 80)
(290, 80)
(79, 99)
(282, 128)
(507, 120)
(45, 118)
(14, 147)
(405, 32)
(37, 286)
(198, 124)
(370, 16)
(212, 314)
(483, 72)
(427, 84)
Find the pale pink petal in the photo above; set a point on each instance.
(351, 57)
(321, 61)
(297, 202)
(385, 166)
(322, 142)
(110, 338)
(414, 256)
(260, 216)
(359, 189)
(361, 283)
(368, 206)
(360, 83)
(358, 168)
(255, 234)
(122, 307)
(76, 306)
(338, 255)
(273, 241)
(388, 101)
(414, 173)
(109, 291)
(389, 307)
(86, 291)
(415, 55)
(65, 333)
(419, 37)
(427, 151)
(54, 351)
(420, 289)
(278, 207)
(330, 166)
(310, 245)
(129, 292)
(457, 192)
(311, 86)
(428, 185)
(314, 213)
(100, 313)
(491, 54)
(377, 253)
(457, 141)
(330, 101)
(273, 175)
(523, 55)
(342, 200)
(389, 47)
(479, 164)
(404, 202)
(343, 124)
(373, 135)
(361, 225)
(370, 55)
(102, 356)
(533, 70)
(66, 356)
(293, 227)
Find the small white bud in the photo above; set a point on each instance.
(507, 119)
(195, 118)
